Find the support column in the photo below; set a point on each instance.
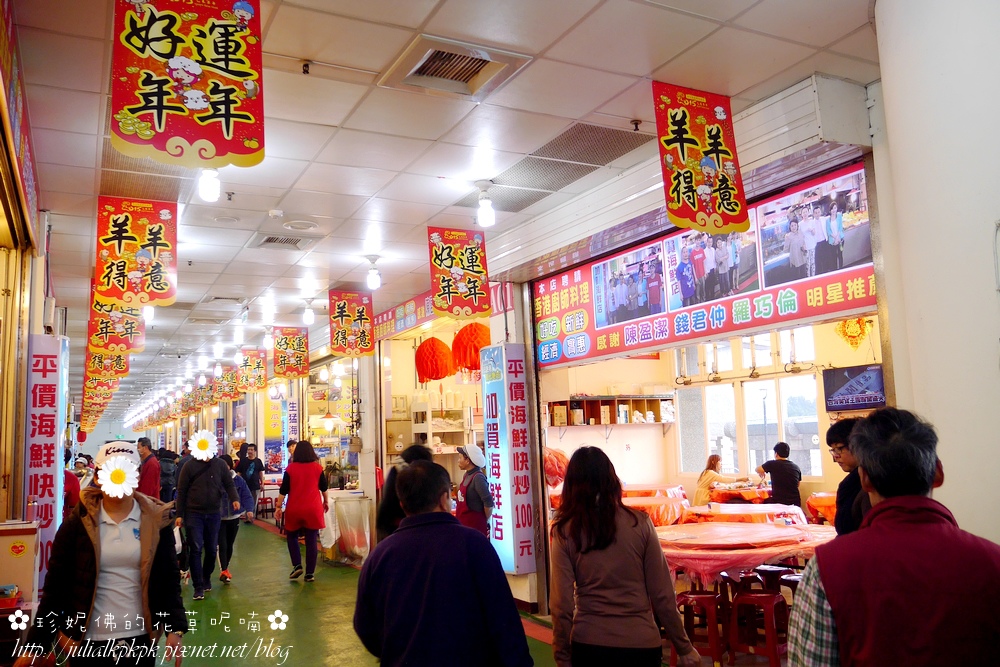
(943, 147)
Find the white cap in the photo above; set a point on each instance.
(118, 448)
(474, 454)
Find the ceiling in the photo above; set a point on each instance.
(353, 157)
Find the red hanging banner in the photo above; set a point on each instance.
(106, 365)
(351, 324)
(251, 374)
(115, 328)
(291, 352)
(701, 174)
(458, 272)
(136, 252)
(186, 82)
(224, 387)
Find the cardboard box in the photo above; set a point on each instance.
(559, 415)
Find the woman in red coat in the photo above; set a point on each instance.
(304, 485)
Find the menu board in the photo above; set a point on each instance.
(807, 256)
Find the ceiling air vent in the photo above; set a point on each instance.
(283, 241)
(438, 66)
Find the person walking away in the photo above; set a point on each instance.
(168, 473)
(390, 513)
(475, 502)
(251, 469)
(434, 593)
(887, 594)
(149, 470)
(204, 483)
(231, 520)
(610, 588)
(785, 477)
(112, 557)
(304, 485)
(709, 477)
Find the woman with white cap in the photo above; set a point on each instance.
(475, 502)
(112, 557)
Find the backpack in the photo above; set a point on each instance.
(167, 468)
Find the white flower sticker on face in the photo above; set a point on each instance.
(203, 445)
(118, 477)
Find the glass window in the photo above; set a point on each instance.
(799, 421)
(804, 348)
(760, 408)
(720, 402)
(724, 355)
(761, 357)
(686, 361)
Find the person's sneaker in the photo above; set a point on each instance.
(185, 577)
(310, 577)
(296, 572)
(225, 577)
(199, 595)
(208, 586)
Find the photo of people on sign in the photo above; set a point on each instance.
(629, 286)
(820, 229)
(704, 267)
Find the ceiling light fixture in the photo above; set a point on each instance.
(308, 316)
(218, 370)
(202, 362)
(268, 338)
(486, 216)
(217, 350)
(147, 314)
(202, 380)
(238, 359)
(374, 277)
(324, 374)
(187, 389)
(209, 185)
(238, 334)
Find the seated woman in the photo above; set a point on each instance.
(709, 477)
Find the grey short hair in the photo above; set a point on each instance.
(898, 452)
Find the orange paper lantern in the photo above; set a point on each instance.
(468, 341)
(433, 360)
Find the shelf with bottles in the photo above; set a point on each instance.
(612, 410)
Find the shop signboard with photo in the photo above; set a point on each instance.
(701, 173)
(407, 315)
(596, 311)
(508, 456)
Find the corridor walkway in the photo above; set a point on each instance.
(232, 625)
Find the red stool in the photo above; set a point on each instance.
(774, 607)
(710, 604)
(265, 506)
(771, 574)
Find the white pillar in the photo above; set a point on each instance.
(941, 92)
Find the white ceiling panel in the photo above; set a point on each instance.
(212, 236)
(80, 258)
(274, 173)
(634, 103)
(295, 141)
(525, 25)
(408, 114)
(410, 13)
(260, 256)
(186, 265)
(369, 149)
(82, 70)
(325, 38)
(560, 89)
(68, 224)
(65, 148)
(196, 252)
(406, 213)
(72, 180)
(248, 278)
(426, 189)
(858, 71)
(210, 215)
(196, 278)
(340, 180)
(796, 22)
(860, 44)
(505, 129)
(463, 163)
(655, 36)
(71, 243)
(88, 19)
(307, 99)
(721, 10)
(322, 203)
(730, 61)
(67, 110)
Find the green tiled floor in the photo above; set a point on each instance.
(318, 630)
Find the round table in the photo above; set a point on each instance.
(663, 510)
(752, 494)
(823, 504)
(740, 513)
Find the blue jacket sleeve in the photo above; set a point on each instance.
(246, 498)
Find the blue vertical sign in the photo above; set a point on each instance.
(508, 456)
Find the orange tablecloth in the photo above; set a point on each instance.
(707, 549)
(663, 510)
(738, 513)
(653, 491)
(754, 495)
(823, 504)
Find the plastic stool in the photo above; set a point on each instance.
(771, 574)
(791, 581)
(265, 506)
(774, 607)
(710, 604)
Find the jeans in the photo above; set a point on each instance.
(312, 548)
(227, 538)
(203, 535)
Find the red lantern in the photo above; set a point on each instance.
(468, 341)
(81, 436)
(433, 360)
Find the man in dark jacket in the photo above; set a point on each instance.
(852, 501)
(168, 473)
(200, 490)
(434, 592)
(886, 593)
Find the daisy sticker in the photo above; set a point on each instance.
(118, 477)
(203, 445)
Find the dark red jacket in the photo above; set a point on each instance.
(911, 588)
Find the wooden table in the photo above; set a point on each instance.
(823, 504)
(739, 513)
(663, 510)
(752, 494)
(705, 550)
